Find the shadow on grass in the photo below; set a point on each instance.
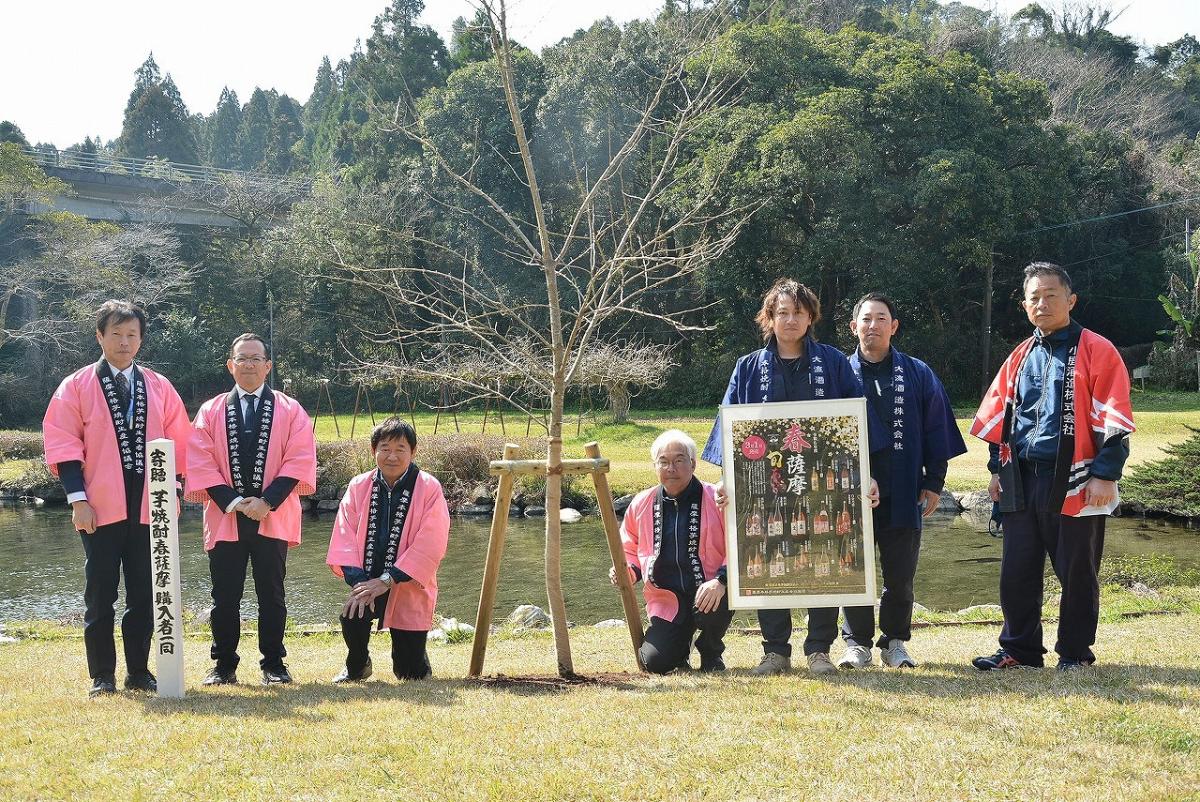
(302, 700)
(1124, 682)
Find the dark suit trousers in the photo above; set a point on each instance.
(668, 643)
(124, 545)
(1074, 546)
(409, 657)
(227, 564)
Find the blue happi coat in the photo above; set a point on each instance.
(757, 378)
(923, 432)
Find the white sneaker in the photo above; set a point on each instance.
(855, 657)
(819, 663)
(895, 655)
(772, 663)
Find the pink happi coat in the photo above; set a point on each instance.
(291, 452)
(79, 426)
(422, 546)
(637, 536)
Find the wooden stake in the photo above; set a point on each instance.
(491, 567)
(332, 411)
(633, 614)
(354, 420)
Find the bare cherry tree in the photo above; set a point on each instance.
(521, 294)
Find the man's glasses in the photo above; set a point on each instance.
(252, 360)
(679, 463)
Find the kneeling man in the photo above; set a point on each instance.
(674, 538)
(388, 540)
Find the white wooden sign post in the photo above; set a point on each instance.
(164, 562)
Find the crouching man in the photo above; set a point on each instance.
(674, 539)
(388, 541)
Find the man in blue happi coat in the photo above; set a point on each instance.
(913, 411)
(793, 366)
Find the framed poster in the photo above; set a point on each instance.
(798, 524)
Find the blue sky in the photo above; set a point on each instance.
(79, 57)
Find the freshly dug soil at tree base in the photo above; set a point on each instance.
(550, 683)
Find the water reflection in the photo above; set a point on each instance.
(44, 561)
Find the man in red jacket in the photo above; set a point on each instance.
(1058, 420)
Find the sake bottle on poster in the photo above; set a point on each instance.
(843, 520)
(799, 524)
(754, 524)
(777, 564)
(775, 522)
(822, 526)
(814, 480)
(845, 474)
(829, 480)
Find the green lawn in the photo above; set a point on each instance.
(1126, 730)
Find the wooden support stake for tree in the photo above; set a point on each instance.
(528, 423)
(354, 420)
(491, 568)
(633, 614)
(370, 406)
(500, 412)
(486, 403)
(316, 412)
(332, 411)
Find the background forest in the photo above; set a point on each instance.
(929, 150)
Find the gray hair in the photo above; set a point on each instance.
(673, 437)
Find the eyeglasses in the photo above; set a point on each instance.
(253, 360)
(679, 463)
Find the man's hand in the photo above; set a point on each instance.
(1099, 492)
(720, 497)
(83, 517)
(709, 595)
(254, 508)
(873, 494)
(929, 501)
(363, 596)
(994, 487)
(612, 575)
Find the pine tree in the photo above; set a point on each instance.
(286, 129)
(256, 125)
(157, 123)
(223, 131)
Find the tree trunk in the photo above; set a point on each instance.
(619, 402)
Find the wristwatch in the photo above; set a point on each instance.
(386, 578)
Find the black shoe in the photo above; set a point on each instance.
(999, 661)
(1070, 664)
(103, 684)
(712, 665)
(219, 676)
(276, 675)
(141, 681)
(345, 676)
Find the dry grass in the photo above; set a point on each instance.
(1126, 730)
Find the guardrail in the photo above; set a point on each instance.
(162, 169)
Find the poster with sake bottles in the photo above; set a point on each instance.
(798, 525)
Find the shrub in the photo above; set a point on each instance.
(20, 445)
(338, 462)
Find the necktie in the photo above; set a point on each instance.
(122, 384)
(249, 419)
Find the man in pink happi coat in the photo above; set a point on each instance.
(388, 541)
(96, 429)
(254, 455)
(674, 539)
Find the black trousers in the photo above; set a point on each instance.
(227, 565)
(410, 660)
(899, 550)
(776, 626)
(1074, 546)
(667, 644)
(111, 549)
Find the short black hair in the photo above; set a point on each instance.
(393, 429)
(115, 312)
(878, 297)
(1034, 269)
(248, 336)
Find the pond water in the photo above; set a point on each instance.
(43, 579)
